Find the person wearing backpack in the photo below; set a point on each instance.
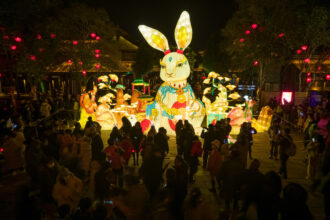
(287, 149)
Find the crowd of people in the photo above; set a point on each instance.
(74, 175)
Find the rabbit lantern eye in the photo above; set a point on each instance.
(179, 65)
(162, 64)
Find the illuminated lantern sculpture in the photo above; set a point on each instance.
(175, 98)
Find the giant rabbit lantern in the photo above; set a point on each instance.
(175, 98)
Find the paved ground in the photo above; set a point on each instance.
(260, 151)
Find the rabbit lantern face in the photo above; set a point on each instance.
(174, 65)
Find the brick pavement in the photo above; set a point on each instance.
(260, 151)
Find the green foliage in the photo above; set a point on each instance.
(301, 23)
(68, 22)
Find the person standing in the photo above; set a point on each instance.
(208, 137)
(284, 142)
(178, 133)
(273, 136)
(214, 163)
(137, 136)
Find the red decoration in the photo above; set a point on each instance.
(13, 47)
(93, 35)
(276, 54)
(69, 61)
(1, 149)
(299, 51)
(84, 72)
(0, 74)
(308, 74)
(280, 35)
(203, 77)
(52, 35)
(254, 26)
(98, 38)
(307, 60)
(319, 68)
(309, 79)
(304, 47)
(97, 55)
(178, 51)
(6, 37)
(261, 28)
(97, 66)
(80, 62)
(167, 51)
(39, 37)
(18, 39)
(32, 57)
(75, 42)
(247, 32)
(97, 51)
(41, 50)
(327, 77)
(256, 63)
(241, 40)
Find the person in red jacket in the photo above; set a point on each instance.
(196, 151)
(214, 163)
(114, 155)
(127, 145)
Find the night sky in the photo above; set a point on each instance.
(207, 16)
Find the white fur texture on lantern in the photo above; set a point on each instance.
(175, 98)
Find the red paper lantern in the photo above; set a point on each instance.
(308, 74)
(307, 60)
(69, 61)
(304, 47)
(98, 38)
(97, 66)
(75, 42)
(13, 47)
(80, 62)
(93, 35)
(256, 63)
(39, 37)
(6, 37)
(18, 39)
(41, 50)
(97, 51)
(309, 79)
(84, 72)
(254, 26)
(299, 51)
(52, 35)
(247, 32)
(280, 35)
(32, 57)
(327, 77)
(241, 40)
(319, 68)
(203, 77)
(97, 55)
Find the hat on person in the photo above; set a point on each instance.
(216, 142)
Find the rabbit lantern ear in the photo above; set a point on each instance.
(155, 39)
(183, 32)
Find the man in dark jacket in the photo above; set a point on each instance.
(284, 142)
(208, 136)
(231, 173)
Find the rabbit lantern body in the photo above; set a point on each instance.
(175, 98)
